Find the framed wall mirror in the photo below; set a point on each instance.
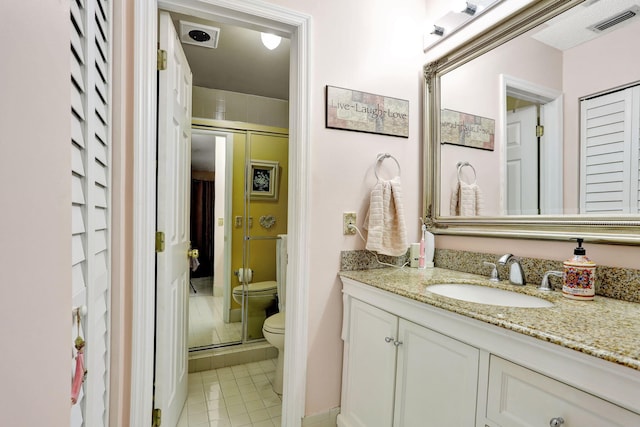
(532, 128)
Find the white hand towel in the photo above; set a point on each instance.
(385, 219)
(466, 200)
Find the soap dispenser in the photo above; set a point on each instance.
(579, 275)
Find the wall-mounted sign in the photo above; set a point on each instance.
(467, 130)
(365, 112)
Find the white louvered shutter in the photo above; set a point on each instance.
(609, 170)
(91, 177)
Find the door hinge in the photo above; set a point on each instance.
(159, 241)
(157, 417)
(539, 131)
(162, 59)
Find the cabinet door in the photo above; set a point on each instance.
(437, 379)
(370, 363)
(519, 397)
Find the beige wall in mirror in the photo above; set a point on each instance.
(550, 69)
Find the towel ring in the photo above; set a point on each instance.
(463, 164)
(380, 159)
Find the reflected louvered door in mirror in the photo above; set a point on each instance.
(90, 185)
(609, 167)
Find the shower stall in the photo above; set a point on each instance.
(235, 221)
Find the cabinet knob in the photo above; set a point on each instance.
(388, 339)
(397, 343)
(557, 421)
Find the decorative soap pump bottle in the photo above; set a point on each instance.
(579, 275)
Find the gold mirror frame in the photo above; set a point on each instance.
(616, 229)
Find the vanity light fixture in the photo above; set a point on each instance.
(438, 30)
(458, 14)
(465, 7)
(270, 41)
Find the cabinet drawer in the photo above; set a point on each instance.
(520, 397)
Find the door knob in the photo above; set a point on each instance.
(193, 253)
(388, 339)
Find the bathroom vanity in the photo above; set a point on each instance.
(415, 358)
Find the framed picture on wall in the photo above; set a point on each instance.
(263, 177)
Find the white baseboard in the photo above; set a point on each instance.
(323, 419)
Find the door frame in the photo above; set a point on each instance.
(257, 15)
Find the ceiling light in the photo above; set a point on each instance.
(464, 7)
(270, 41)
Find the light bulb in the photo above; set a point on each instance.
(462, 6)
(437, 30)
(270, 41)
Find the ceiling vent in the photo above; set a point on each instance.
(199, 35)
(617, 19)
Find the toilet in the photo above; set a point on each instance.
(273, 327)
(260, 296)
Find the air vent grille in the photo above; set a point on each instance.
(615, 20)
(199, 35)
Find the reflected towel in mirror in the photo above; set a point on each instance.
(466, 200)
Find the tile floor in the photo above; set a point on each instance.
(206, 324)
(235, 396)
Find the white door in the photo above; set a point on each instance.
(609, 153)
(91, 26)
(522, 161)
(172, 288)
(370, 361)
(437, 379)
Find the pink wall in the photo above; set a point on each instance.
(372, 47)
(35, 189)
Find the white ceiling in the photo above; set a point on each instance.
(240, 63)
(572, 27)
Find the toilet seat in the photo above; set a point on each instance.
(268, 287)
(274, 324)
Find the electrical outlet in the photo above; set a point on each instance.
(348, 219)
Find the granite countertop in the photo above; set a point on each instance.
(605, 328)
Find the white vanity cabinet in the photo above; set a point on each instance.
(401, 374)
(520, 397)
(369, 367)
(408, 363)
(436, 379)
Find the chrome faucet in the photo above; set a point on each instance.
(493, 277)
(545, 285)
(516, 273)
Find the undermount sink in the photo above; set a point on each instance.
(486, 295)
